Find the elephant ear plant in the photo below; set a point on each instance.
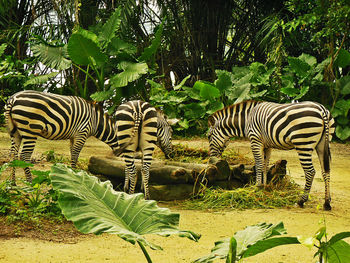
(94, 207)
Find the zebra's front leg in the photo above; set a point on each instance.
(309, 171)
(258, 152)
(267, 155)
(26, 153)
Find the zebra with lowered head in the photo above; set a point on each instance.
(303, 126)
(31, 114)
(140, 127)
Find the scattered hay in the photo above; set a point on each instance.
(248, 197)
(184, 153)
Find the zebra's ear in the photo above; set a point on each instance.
(211, 121)
(172, 121)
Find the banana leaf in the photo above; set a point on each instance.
(95, 207)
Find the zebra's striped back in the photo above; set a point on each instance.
(32, 114)
(304, 126)
(289, 126)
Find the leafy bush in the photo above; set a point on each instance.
(31, 200)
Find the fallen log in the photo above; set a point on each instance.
(162, 172)
(171, 180)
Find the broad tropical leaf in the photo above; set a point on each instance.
(338, 252)
(269, 243)
(52, 57)
(110, 27)
(299, 66)
(94, 207)
(81, 49)
(102, 95)
(343, 58)
(131, 72)
(250, 241)
(40, 79)
(207, 90)
(152, 49)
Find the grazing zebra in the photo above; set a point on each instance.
(32, 114)
(140, 128)
(303, 126)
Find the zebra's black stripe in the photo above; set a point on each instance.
(140, 128)
(303, 126)
(32, 114)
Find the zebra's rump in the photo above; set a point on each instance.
(288, 126)
(47, 115)
(136, 123)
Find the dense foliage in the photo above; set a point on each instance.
(189, 57)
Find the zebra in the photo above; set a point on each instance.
(303, 126)
(31, 114)
(140, 127)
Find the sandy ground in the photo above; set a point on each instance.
(212, 226)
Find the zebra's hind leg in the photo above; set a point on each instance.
(15, 144)
(146, 163)
(323, 153)
(26, 154)
(130, 172)
(76, 145)
(305, 158)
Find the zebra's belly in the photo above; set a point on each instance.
(45, 130)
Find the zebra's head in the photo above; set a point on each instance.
(217, 140)
(164, 133)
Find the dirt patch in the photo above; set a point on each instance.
(66, 245)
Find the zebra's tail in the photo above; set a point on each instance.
(327, 152)
(11, 126)
(137, 122)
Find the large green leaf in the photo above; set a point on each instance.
(53, 57)
(342, 132)
(110, 27)
(131, 72)
(269, 243)
(94, 207)
(223, 81)
(148, 52)
(251, 241)
(103, 95)
(82, 48)
(207, 90)
(310, 60)
(299, 66)
(343, 84)
(339, 252)
(40, 79)
(118, 45)
(338, 237)
(343, 58)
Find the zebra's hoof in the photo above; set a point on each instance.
(301, 204)
(327, 206)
